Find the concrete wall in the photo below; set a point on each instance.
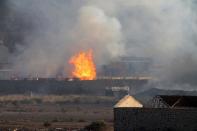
(155, 119)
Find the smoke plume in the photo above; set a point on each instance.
(63, 30)
(163, 31)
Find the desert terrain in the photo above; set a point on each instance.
(50, 112)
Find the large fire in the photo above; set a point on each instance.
(84, 67)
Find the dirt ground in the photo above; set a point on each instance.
(18, 113)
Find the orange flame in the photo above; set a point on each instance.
(84, 67)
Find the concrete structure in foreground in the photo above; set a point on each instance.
(178, 113)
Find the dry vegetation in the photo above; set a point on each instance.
(57, 99)
(71, 111)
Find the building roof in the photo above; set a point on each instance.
(179, 101)
(128, 101)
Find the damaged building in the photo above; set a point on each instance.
(163, 113)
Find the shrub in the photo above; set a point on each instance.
(46, 124)
(15, 103)
(26, 101)
(37, 100)
(81, 120)
(55, 120)
(96, 126)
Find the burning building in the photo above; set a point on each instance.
(84, 79)
(166, 113)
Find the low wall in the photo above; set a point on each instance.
(52, 86)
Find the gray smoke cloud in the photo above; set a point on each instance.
(4, 54)
(64, 30)
(164, 31)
